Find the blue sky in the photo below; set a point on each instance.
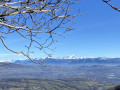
(96, 34)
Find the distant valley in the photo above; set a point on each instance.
(105, 70)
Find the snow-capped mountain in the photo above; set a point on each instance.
(71, 57)
(73, 60)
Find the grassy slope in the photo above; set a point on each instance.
(64, 84)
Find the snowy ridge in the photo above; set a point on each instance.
(66, 59)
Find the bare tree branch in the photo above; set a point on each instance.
(115, 8)
(31, 18)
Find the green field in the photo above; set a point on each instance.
(64, 84)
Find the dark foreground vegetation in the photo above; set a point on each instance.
(45, 84)
(115, 88)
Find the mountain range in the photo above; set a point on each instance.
(99, 60)
(100, 69)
